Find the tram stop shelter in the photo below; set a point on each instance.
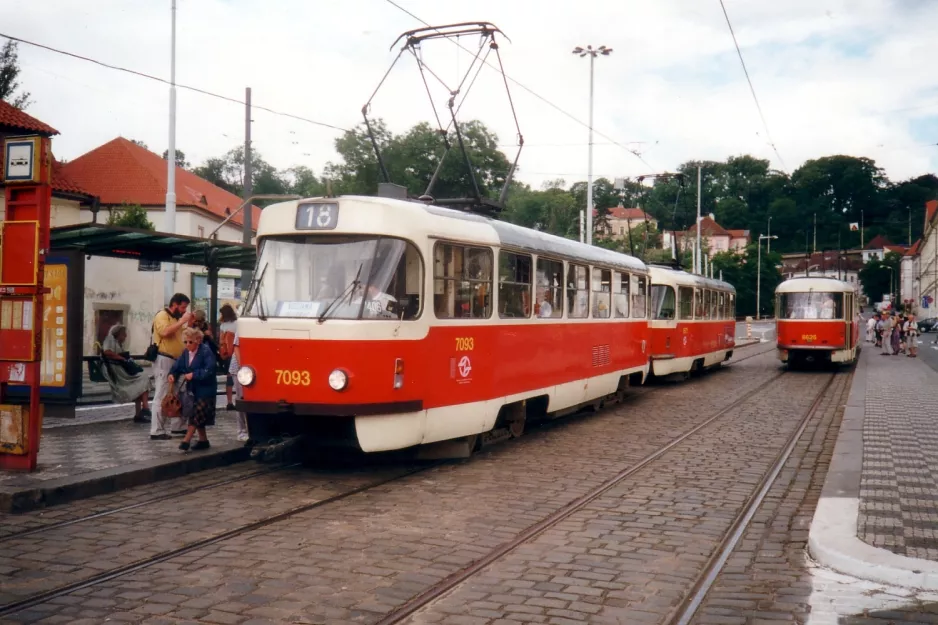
(65, 271)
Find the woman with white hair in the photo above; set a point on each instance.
(126, 378)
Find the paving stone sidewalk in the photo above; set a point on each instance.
(107, 451)
(899, 480)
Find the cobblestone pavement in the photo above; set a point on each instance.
(899, 484)
(356, 559)
(69, 451)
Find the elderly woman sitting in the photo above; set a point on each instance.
(126, 378)
(197, 367)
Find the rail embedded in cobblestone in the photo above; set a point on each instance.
(146, 502)
(450, 582)
(688, 608)
(43, 597)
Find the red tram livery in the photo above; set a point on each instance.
(817, 321)
(692, 323)
(390, 324)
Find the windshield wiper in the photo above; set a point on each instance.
(341, 296)
(256, 284)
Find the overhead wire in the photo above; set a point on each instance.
(752, 89)
(634, 153)
(166, 82)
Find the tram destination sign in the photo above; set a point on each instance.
(318, 216)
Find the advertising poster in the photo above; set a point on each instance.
(54, 327)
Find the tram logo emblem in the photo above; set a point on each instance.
(465, 367)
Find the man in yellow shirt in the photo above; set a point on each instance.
(167, 335)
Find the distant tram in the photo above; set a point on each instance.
(693, 322)
(389, 324)
(817, 320)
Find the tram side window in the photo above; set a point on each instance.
(640, 297)
(462, 281)
(721, 311)
(732, 307)
(578, 295)
(699, 304)
(686, 299)
(514, 285)
(620, 290)
(714, 300)
(549, 293)
(662, 302)
(602, 292)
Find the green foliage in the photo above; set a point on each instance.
(129, 216)
(413, 157)
(9, 70)
(879, 277)
(741, 270)
(180, 158)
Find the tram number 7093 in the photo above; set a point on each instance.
(293, 377)
(465, 343)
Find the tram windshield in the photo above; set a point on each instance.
(336, 277)
(811, 305)
(662, 301)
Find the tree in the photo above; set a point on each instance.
(302, 181)
(879, 277)
(129, 216)
(9, 70)
(140, 143)
(742, 272)
(180, 158)
(227, 172)
(412, 158)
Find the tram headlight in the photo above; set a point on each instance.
(246, 376)
(338, 380)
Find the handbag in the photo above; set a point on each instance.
(131, 367)
(187, 400)
(171, 407)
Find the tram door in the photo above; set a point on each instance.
(849, 320)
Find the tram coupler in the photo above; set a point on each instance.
(277, 449)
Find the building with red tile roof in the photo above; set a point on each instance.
(714, 237)
(620, 220)
(122, 172)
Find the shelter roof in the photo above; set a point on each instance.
(132, 243)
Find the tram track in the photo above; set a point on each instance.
(94, 580)
(145, 502)
(418, 601)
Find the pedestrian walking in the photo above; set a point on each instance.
(168, 326)
(196, 369)
(912, 335)
(896, 342)
(871, 329)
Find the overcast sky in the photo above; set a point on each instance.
(833, 77)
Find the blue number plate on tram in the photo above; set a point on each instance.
(317, 216)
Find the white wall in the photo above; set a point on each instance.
(116, 284)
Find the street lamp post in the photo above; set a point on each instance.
(759, 275)
(768, 244)
(592, 53)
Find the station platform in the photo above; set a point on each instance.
(102, 450)
(877, 518)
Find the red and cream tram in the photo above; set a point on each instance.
(817, 321)
(391, 324)
(693, 322)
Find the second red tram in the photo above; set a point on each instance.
(692, 322)
(817, 321)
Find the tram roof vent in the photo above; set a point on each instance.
(391, 190)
